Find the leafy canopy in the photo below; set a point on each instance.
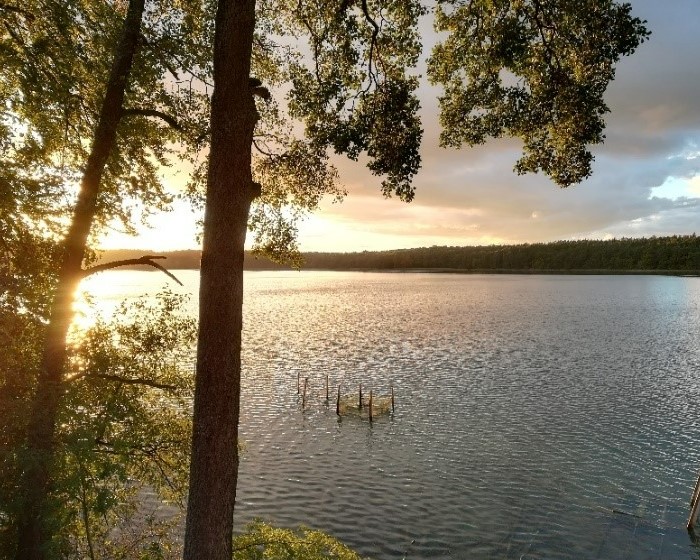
(532, 69)
(355, 95)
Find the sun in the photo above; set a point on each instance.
(167, 231)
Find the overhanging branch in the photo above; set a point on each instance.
(148, 260)
(172, 121)
(134, 381)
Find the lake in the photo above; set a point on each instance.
(536, 416)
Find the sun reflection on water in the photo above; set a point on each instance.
(101, 295)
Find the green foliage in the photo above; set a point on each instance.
(21, 335)
(125, 424)
(533, 69)
(293, 183)
(264, 542)
(55, 59)
(355, 94)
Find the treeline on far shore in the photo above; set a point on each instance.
(679, 254)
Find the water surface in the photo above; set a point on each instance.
(537, 416)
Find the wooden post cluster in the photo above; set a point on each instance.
(302, 390)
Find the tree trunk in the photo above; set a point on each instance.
(35, 526)
(230, 190)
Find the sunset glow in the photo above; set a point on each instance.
(645, 177)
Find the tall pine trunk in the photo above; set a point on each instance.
(36, 526)
(230, 190)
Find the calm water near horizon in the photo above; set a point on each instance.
(536, 417)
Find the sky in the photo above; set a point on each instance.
(646, 177)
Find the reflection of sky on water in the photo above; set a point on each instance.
(530, 409)
(101, 294)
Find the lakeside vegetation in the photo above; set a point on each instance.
(678, 254)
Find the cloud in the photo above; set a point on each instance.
(472, 195)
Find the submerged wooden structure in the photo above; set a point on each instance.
(358, 404)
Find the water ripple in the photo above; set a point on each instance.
(537, 417)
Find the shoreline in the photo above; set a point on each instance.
(484, 271)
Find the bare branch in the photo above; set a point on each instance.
(263, 151)
(133, 381)
(154, 113)
(148, 260)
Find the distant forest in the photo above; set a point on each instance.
(679, 254)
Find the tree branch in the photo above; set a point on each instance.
(161, 53)
(14, 35)
(262, 150)
(373, 43)
(154, 113)
(163, 60)
(541, 27)
(133, 381)
(149, 450)
(148, 260)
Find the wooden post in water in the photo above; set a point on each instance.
(392, 398)
(303, 397)
(326, 386)
(370, 405)
(360, 404)
(337, 403)
(696, 492)
(298, 378)
(694, 504)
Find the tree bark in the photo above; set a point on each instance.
(35, 525)
(230, 190)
